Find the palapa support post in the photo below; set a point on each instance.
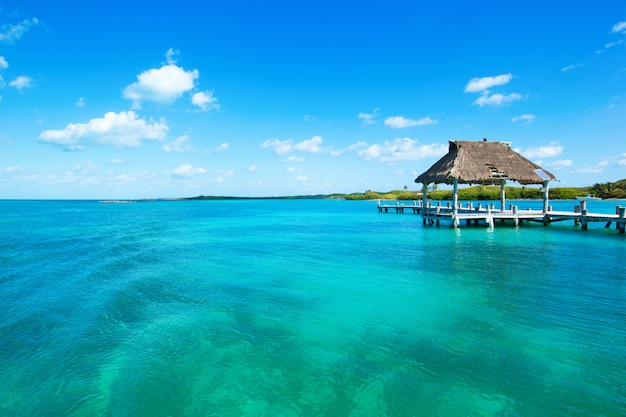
(502, 195)
(424, 201)
(455, 203)
(546, 191)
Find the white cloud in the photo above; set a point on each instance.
(294, 158)
(122, 129)
(81, 174)
(142, 175)
(476, 85)
(368, 118)
(592, 169)
(311, 145)
(21, 82)
(86, 167)
(399, 122)
(81, 102)
(496, 99)
(161, 85)
(187, 170)
(527, 118)
(116, 161)
(205, 100)
(170, 56)
(309, 118)
(11, 33)
(619, 27)
(221, 148)
(560, 164)
(427, 121)
(488, 97)
(401, 149)
(253, 168)
(180, 145)
(612, 44)
(352, 147)
(282, 147)
(301, 178)
(3, 63)
(9, 171)
(551, 150)
(571, 67)
(293, 169)
(222, 175)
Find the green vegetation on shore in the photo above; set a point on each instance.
(609, 189)
(482, 192)
(288, 197)
(604, 190)
(512, 193)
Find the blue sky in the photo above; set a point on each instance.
(172, 99)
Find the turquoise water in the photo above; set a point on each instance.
(304, 308)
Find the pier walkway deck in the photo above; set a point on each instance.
(489, 215)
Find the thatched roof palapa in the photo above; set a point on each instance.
(482, 162)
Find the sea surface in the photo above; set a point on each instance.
(305, 308)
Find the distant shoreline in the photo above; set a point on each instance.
(606, 191)
(616, 190)
(296, 197)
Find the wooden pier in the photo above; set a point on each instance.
(487, 214)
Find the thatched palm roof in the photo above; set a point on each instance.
(482, 162)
